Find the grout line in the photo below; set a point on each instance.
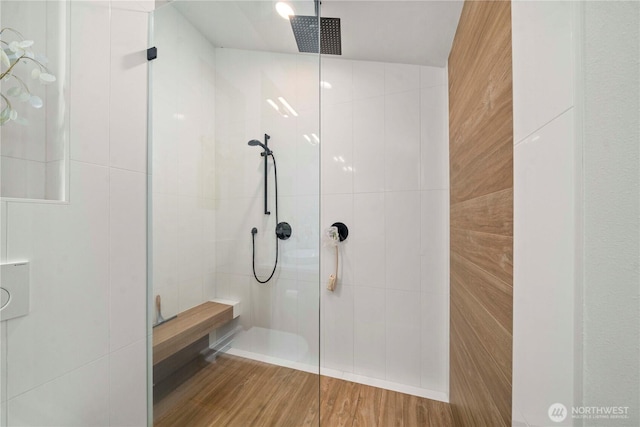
(106, 355)
(109, 315)
(29, 160)
(524, 138)
(480, 232)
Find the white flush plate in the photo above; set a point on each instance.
(14, 290)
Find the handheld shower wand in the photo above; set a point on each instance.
(283, 229)
(266, 153)
(255, 142)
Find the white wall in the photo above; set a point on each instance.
(79, 357)
(576, 249)
(611, 208)
(183, 154)
(547, 219)
(385, 175)
(279, 319)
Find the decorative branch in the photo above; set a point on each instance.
(13, 53)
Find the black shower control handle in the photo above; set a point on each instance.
(343, 230)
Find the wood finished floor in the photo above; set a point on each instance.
(234, 391)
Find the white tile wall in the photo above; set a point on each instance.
(78, 399)
(337, 149)
(544, 267)
(128, 98)
(368, 79)
(23, 178)
(368, 144)
(280, 319)
(402, 141)
(336, 328)
(402, 226)
(128, 385)
(68, 247)
(401, 78)
(543, 62)
(367, 110)
(88, 98)
(546, 175)
(368, 232)
(391, 127)
(434, 312)
(434, 127)
(403, 338)
(184, 186)
(79, 357)
(127, 257)
(369, 332)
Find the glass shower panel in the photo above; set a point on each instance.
(228, 81)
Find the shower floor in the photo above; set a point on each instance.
(233, 391)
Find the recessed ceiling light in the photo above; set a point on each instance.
(284, 9)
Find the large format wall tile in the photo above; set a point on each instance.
(398, 237)
(88, 256)
(89, 96)
(128, 97)
(127, 257)
(77, 399)
(481, 219)
(402, 141)
(383, 141)
(545, 253)
(128, 385)
(68, 248)
(543, 33)
(368, 145)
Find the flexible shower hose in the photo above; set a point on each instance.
(253, 235)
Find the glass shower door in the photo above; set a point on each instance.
(234, 206)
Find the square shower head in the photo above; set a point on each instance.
(305, 29)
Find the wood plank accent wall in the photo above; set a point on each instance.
(481, 180)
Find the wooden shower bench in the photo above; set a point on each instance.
(190, 326)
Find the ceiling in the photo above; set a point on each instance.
(409, 32)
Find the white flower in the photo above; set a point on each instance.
(20, 50)
(47, 78)
(4, 58)
(35, 101)
(14, 47)
(14, 91)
